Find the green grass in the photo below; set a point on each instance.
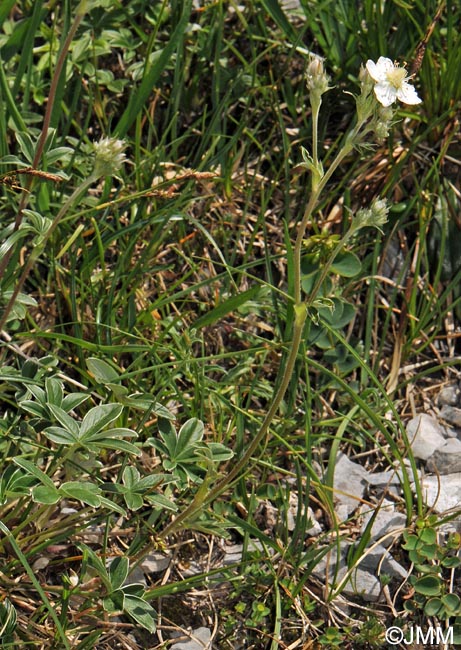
(175, 273)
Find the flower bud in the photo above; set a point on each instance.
(317, 79)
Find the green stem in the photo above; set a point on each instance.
(221, 486)
(300, 310)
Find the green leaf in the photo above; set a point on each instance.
(71, 401)
(26, 146)
(451, 562)
(60, 436)
(160, 501)
(130, 476)
(98, 418)
(452, 604)
(429, 585)
(140, 611)
(219, 452)
(90, 557)
(69, 424)
(32, 469)
(118, 572)
(226, 307)
(34, 408)
(112, 506)
(85, 492)
(433, 606)
(109, 443)
(54, 391)
(189, 435)
(346, 264)
(102, 371)
(45, 494)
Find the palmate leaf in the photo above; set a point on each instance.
(98, 418)
(182, 445)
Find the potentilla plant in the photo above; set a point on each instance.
(381, 85)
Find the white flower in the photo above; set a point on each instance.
(391, 82)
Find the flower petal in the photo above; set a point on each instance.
(374, 71)
(407, 94)
(385, 94)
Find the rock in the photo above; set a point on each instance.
(200, 639)
(387, 521)
(450, 395)
(451, 415)
(425, 436)
(349, 485)
(447, 459)
(155, 563)
(442, 493)
(233, 552)
(363, 578)
(314, 529)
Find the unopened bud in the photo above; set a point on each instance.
(317, 79)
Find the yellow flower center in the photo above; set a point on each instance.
(396, 76)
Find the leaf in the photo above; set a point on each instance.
(54, 391)
(90, 557)
(452, 604)
(98, 418)
(112, 506)
(219, 452)
(118, 572)
(429, 585)
(346, 264)
(34, 408)
(45, 494)
(225, 307)
(108, 443)
(60, 436)
(69, 424)
(433, 606)
(71, 401)
(140, 611)
(86, 492)
(26, 145)
(189, 435)
(102, 371)
(341, 314)
(130, 476)
(160, 501)
(32, 469)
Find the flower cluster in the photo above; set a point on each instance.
(109, 156)
(375, 216)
